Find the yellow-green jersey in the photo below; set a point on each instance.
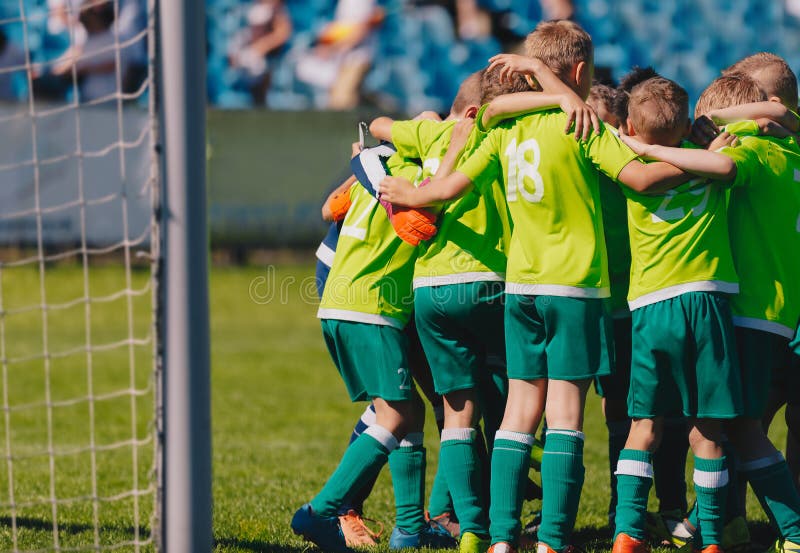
(679, 242)
(552, 189)
(764, 222)
(474, 230)
(615, 227)
(370, 280)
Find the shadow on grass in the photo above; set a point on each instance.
(260, 546)
(593, 538)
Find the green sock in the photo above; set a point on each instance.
(634, 479)
(562, 481)
(407, 465)
(772, 483)
(459, 458)
(617, 436)
(511, 458)
(440, 501)
(669, 466)
(711, 488)
(362, 460)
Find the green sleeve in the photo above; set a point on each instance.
(747, 163)
(744, 128)
(483, 164)
(412, 138)
(608, 153)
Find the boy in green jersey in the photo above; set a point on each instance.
(557, 326)
(365, 305)
(458, 301)
(764, 211)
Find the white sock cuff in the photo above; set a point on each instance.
(369, 417)
(762, 462)
(460, 434)
(438, 412)
(512, 436)
(382, 436)
(708, 479)
(631, 467)
(412, 439)
(576, 433)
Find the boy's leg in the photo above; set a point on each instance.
(562, 462)
(355, 502)
(710, 480)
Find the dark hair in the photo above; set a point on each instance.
(631, 79)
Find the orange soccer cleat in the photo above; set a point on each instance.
(626, 544)
(356, 532)
(501, 547)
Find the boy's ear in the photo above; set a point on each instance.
(532, 82)
(774, 99)
(580, 72)
(471, 112)
(630, 131)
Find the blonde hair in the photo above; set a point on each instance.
(560, 45)
(733, 89)
(492, 86)
(772, 74)
(658, 105)
(469, 93)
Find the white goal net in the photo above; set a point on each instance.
(78, 251)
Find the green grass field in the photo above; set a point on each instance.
(281, 417)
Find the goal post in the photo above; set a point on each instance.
(186, 512)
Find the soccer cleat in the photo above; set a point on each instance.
(434, 536)
(736, 536)
(623, 543)
(784, 546)
(669, 528)
(446, 520)
(501, 547)
(712, 549)
(356, 532)
(324, 532)
(528, 537)
(413, 225)
(472, 543)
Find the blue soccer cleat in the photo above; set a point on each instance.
(434, 536)
(324, 532)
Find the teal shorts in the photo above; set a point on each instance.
(557, 337)
(684, 359)
(615, 386)
(461, 330)
(766, 361)
(372, 359)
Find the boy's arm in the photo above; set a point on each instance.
(400, 191)
(703, 163)
(651, 178)
(757, 110)
(458, 139)
(768, 127)
(381, 128)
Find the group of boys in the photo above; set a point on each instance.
(538, 236)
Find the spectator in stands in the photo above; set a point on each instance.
(343, 54)
(269, 28)
(10, 56)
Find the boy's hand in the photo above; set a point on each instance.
(724, 139)
(461, 133)
(512, 64)
(704, 131)
(581, 114)
(639, 148)
(396, 190)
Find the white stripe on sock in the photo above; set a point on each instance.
(412, 439)
(709, 479)
(511, 436)
(382, 436)
(574, 433)
(762, 462)
(368, 417)
(630, 467)
(461, 434)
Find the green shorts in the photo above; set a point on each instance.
(684, 359)
(371, 359)
(615, 385)
(461, 330)
(557, 337)
(766, 361)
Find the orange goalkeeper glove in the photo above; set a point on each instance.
(339, 204)
(413, 225)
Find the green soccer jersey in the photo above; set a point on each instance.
(552, 189)
(679, 243)
(474, 230)
(615, 226)
(764, 222)
(370, 280)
